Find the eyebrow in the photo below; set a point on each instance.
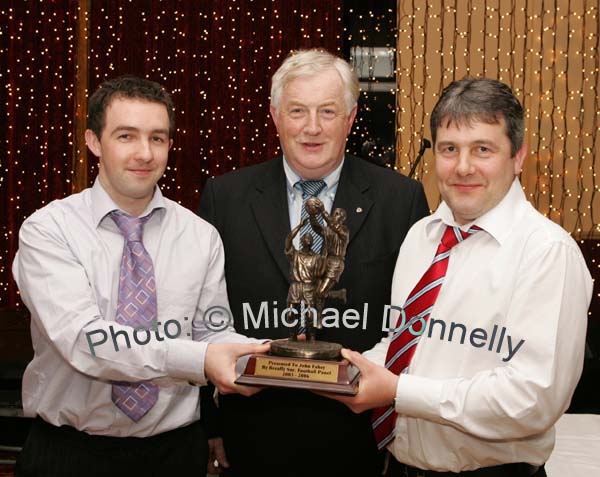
(330, 102)
(477, 142)
(134, 129)
(439, 144)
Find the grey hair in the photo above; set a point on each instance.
(312, 62)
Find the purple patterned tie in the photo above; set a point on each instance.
(136, 307)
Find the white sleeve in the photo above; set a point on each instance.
(213, 322)
(55, 288)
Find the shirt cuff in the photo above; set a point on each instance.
(185, 360)
(418, 397)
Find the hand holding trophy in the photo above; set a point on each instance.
(315, 269)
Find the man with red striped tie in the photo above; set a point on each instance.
(491, 303)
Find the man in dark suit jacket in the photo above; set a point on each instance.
(313, 103)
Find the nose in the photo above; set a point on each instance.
(313, 124)
(465, 166)
(144, 152)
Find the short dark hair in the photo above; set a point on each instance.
(480, 99)
(127, 86)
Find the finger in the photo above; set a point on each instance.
(343, 398)
(355, 358)
(240, 389)
(221, 457)
(211, 468)
(251, 348)
(251, 390)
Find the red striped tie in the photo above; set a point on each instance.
(418, 306)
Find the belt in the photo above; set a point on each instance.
(396, 469)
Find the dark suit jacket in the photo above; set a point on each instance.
(284, 432)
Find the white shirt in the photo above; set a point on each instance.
(67, 269)
(294, 194)
(481, 403)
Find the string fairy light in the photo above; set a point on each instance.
(548, 53)
(37, 54)
(216, 58)
(546, 50)
(367, 26)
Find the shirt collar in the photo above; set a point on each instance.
(102, 204)
(292, 177)
(497, 222)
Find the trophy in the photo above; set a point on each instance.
(315, 269)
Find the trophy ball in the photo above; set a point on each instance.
(314, 206)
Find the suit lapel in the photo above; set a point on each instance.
(270, 208)
(351, 195)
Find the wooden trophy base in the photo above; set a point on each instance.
(316, 375)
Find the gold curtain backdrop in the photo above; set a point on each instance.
(547, 51)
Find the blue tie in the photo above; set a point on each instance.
(311, 189)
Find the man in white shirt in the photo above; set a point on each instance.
(489, 345)
(121, 282)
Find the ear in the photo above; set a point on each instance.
(274, 116)
(93, 143)
(351, 117)
(170, 144)
(520, 158)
